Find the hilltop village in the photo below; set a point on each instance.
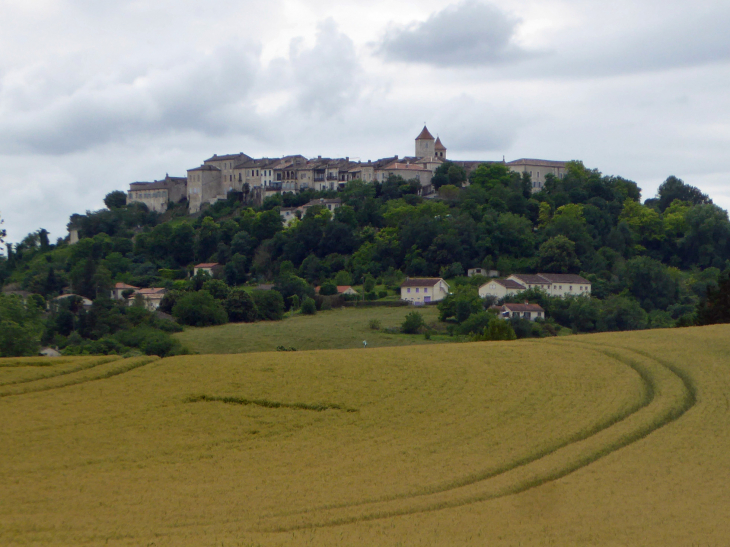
(265, 177)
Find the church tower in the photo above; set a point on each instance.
(440, 149)
(425, 145)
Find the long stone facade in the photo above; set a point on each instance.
(264, 177)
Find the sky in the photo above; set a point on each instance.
(95, 95)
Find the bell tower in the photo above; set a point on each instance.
(425, 144)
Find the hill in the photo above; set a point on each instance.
(608, 439)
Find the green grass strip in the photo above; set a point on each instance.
(268, 404)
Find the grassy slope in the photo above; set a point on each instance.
(613, 447)
(335, 329)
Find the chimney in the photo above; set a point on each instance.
(319, 157)
(347, 158)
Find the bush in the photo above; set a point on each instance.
(368, 284)
(371, 296)
(217, 288)
(382, 294)
(309, 307)
(240, 307)
(270, 304)
(199, 309)
(498, 329)
(326, 304)
(374, 324)
(328, 289)
(413, 323)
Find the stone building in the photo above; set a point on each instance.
(538, 170)
(226, 164)
(204, 186)
(156, 195)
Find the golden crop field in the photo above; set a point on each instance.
(612, 439)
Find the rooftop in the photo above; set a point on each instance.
(424, 135)
(539, 163)
(565, 278)
(421, 282)
(523, 307)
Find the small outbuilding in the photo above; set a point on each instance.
(521, 311)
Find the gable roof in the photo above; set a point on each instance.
(206, 265)
(522, 307)
(422, 282)
(506, 283)
(565, 278)
(224, 157)
(424, 135)
(532, 279)
(124, 286)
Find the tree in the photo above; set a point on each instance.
(240, 306)
(650, 282)
(199, 309)
(328, 289)
(412, 323)
(674, 188)
(217, 288)
(368, 284)
(309, 307)
(497, 329)
(715, 308)
(270, 304)
(115, 200)
(3, 233)
(557, 255)
(20, 327)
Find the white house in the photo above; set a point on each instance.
(151, 297)
(522, 311)
(208, 267)
(499, 288)
(567, 284)
(422, 290)
(119, 288)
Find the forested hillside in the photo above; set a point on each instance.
(653, 260)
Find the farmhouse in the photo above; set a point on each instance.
(341, 289)
(150, 297)
(422, 290)
(207, 267)
(500, 288)
(560, 285)
(522, 311)
(119, 288)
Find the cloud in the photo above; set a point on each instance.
(466, 34)
(57, 108)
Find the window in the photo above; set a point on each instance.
(425, 290)
(409, 289)
(416, 289)
(571, 288)
(538, 174)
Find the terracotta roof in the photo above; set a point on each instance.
(343, 288)
(523, 307)
(531, 279)
(422, 282)
(541, 163)
(124, 286)
(424, 134)
(405, 167)
(206, 265)
(439, 145)
(565, 278)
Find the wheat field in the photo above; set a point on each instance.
(612, 439)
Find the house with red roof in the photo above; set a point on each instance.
(118, 290)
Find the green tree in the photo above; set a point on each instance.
(309, 307)
(270, 305)
(217, 288)
(497, 329)
(557, 255)
(115, 200)
(715, 307)
(328, 289)
(676, 189)
(199, 309)
(240, 306)
(20, 326)
(412, 323)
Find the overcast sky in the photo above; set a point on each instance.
(95, 95)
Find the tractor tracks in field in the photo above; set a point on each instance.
(98, 370)
(668, 393)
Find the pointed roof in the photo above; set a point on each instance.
(439, 145)
(424, 135)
